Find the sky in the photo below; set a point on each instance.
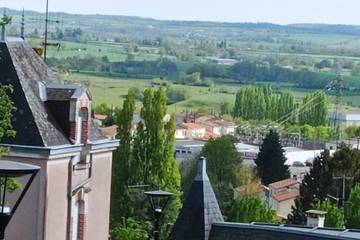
(274, 11)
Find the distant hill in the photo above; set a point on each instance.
(108, 24)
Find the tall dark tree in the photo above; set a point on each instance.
(270, 162)
(313, 189)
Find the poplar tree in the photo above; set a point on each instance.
(270, 163)
(122, 166)
(155, 148)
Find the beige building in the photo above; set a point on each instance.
(70, 197)
(282, 196)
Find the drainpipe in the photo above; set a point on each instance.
(70, 173)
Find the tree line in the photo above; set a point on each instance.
(261, 103)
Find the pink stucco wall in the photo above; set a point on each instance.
(99, 197)
(43, 214)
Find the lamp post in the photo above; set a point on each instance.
(158, 201)
(11, 170)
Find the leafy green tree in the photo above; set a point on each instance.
(154, 148)
(131, 229)
(352, 210)
(352, 132)
(334, 216)
(225, 108)
(7, 109)
(122, 166)
(314, 188)
(223, 160)
(270, 162)
(314, 109)
(251, 209)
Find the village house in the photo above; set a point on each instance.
(282, 195)
(70, 196)
(191, 131)
(217, 127)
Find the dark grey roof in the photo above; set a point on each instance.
(240, 231)
(199, 211)
(35, 125)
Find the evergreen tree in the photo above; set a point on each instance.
(270, 162)
(334, 216)
(251, 209)
(313, 189)
(352, 213)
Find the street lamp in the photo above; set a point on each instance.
(158, 201)
(8, 172)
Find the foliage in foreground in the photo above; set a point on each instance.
(251, 209)
(334, 216)
(352, 211)
(131, 229)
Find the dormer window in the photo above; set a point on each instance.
(71, 106)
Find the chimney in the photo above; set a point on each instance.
(315, 218)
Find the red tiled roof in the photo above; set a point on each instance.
(191, 126)
(100, 116)
(284, 183)
(109, 132)
(286, 195)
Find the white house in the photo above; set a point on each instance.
(193, 130)
(345, 118)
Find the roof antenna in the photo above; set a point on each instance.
(22, 35)
(46, 28)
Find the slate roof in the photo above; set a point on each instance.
(21, 67)
(257, 231)
(199, 211)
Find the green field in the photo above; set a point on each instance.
(111, 90)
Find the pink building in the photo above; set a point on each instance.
(70, 197)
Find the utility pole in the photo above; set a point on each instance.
(344, 179)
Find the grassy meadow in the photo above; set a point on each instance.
(111, 90)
